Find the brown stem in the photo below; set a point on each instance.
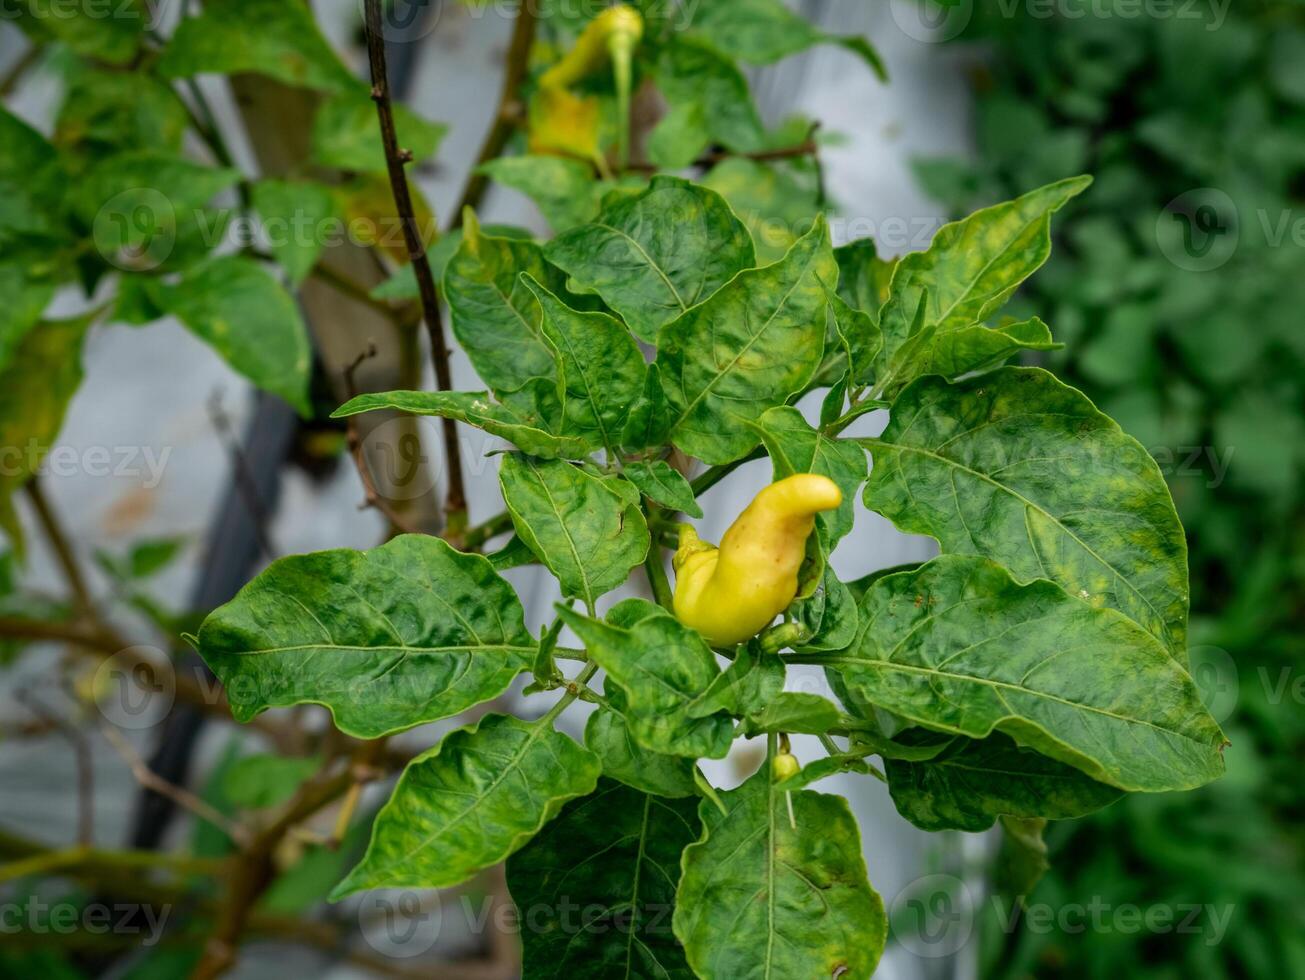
(185, 799)
(255, 870)
(509, 111)
(21, 67)
(455, 501)
(807, 148)
(63, 551)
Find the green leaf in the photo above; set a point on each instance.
(852, 343)
(760, 899)
(973, 782)
(145, 559)
(829, 616)
(656, 254)
(680, 136)
(564, 190)
(1022, 860)
(607, 734)
(403, 284)
(864, 278)
(756, 342)
(953, 353)
(508, 421)
(495, 317)
(346, 134)
(43, 373)
(795, 447)
(663, 484)
(972, 266)
(600, 368)
(690, 72)
(233, 305)
(795, 711)
(651, 416)
(142, 205)
(762, 32)
(470, 802)
(117, 110)
(575, 523)
(662, 667)
(1016, 466)
(258, 781)
(295, 215)
(769, 198)
(613, 857)
(406, 633)
(751, 681)
(960, 647)
(106, 33)
(23, 298)
(266, 37)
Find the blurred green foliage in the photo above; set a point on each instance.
(1179, 291)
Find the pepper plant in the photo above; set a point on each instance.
(1036, 669)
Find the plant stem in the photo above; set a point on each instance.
(63, 551)
(509, 111)
(482, 533)
(573, 691)
(652, 563)
(455, 501)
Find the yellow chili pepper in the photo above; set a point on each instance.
(615, 29)
(730, 593)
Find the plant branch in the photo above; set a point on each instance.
(807, 148)
(509, 112)
(25, 63)
(661, 587)
(63, 551)
(481, 534)
(185, 799)
(455, 499)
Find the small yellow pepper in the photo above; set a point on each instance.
(730, 593)
(784, 765)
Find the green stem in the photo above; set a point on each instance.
(661, 586)
(492, 528)
(573, 692)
